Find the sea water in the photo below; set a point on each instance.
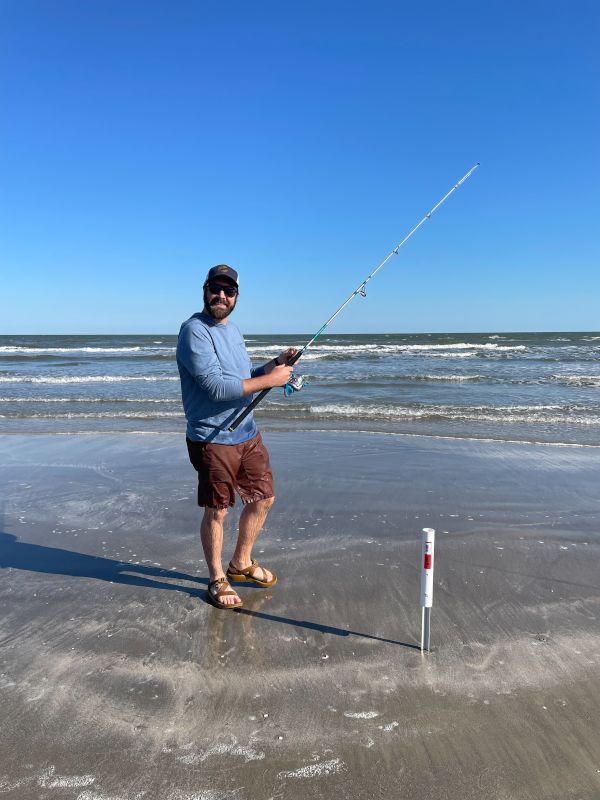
(538, 387)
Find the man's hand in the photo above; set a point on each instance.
(277, 373)
(283, 358)
(279, 376)
(286, 356)
(274, 376)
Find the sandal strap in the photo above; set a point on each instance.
(249, 571)
(223, 590)
(254, 565)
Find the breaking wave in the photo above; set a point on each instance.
(578, 380)
(533, 414)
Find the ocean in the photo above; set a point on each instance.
(533, 387)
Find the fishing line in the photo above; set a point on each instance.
(296, 382)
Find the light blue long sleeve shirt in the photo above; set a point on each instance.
(213, 361)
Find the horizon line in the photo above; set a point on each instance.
(307, 333)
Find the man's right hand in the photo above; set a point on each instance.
(279, 376)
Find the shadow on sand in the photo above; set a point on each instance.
(17, 554)
(56, 561)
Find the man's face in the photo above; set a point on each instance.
(217, 303)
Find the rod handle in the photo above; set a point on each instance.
(249, 408)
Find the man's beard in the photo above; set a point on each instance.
(216, 311)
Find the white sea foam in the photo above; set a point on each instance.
(316, 770)
(324, 350)
(536, 414)
(47, 779)
(314, 356)
(52, 379)
(68, 782)
(391, 378)
(88, 794)
(220, 749)
(203, 794)
(490, 346)
(361, 714)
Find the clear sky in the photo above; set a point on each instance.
(143, 141)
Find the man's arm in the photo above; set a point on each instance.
(272, 370)
(275, 376)
(196, 352)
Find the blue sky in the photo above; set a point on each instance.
(144, 141)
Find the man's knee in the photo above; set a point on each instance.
(215, 514)
(265, 504)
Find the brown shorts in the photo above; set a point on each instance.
(224, 469)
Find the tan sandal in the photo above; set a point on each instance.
(247, 575)
(223, 590)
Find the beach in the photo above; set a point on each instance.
(119, 681)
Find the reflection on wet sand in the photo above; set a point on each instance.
(231, 631)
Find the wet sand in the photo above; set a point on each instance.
(119, 682)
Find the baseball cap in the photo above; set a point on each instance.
(223, 271)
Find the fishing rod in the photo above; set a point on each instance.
(296, 382)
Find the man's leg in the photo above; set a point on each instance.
(211, 534)
(252, 520)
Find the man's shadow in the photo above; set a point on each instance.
(56, 561)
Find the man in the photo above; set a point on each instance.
(216, 384)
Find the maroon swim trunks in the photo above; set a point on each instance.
(224, 469)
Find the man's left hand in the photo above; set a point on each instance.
(286, 355)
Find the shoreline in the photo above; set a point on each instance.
(307, 431)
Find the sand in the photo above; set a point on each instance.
(118, 681)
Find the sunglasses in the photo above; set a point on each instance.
(217, 288)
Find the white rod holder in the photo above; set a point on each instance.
(427, 557)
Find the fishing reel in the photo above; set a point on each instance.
(295, 383)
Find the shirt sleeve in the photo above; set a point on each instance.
(196, 352)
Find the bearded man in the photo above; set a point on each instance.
(217, 382)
